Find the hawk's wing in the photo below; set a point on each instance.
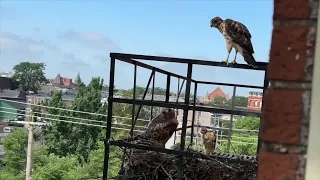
(158, 135)
(239, 34)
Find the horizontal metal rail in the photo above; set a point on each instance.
(238, 131)
(128, 60)
(228, 84)
(140, 64)
(121, 56)
(221, 156)
(188, 107)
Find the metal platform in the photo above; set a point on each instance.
(186, 105)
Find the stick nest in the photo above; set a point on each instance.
(160, 166)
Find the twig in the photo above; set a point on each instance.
(210, 158)
(166, 172)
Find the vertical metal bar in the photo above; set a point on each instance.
(193, 111)
(175, 137)
(168, 88)
(134, 97)
(265, 86)
(185, 119)
(109, 120)
(231, 119)
(144, 96)
(152, 95)
(177, 100)
(180, 89)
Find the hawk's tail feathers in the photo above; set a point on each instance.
(248, 57)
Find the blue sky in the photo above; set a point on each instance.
(77, 36)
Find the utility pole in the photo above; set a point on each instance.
(30, 126)
(29, 152)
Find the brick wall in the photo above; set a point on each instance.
(286, 107)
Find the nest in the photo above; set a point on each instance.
(160, 166)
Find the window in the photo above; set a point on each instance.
(256, 104)
(250, 103)
(260, 103)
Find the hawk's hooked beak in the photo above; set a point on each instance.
(211, 25)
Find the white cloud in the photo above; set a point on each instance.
(15, 49)
(93, 40)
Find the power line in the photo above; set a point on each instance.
(72, 122)
(70, 117)
(112, 116)
(105, 126)
(70, 110)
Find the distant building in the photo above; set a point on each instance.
(34, 99)
(210, 96)
(6, 74)
(255, 100)
(64, 82)
(217, 92)
(10, 111)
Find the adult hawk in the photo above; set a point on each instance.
(209, 140)
(159, 131)
(238, 37)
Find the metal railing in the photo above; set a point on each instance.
(186, 105)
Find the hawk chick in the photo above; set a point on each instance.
(159, 131)
(209, 140)
(238, 37)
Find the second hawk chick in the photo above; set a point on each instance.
(209, 140)
(238, 37)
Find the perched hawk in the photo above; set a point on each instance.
(238, 37)
(159, 131)
(209, 140)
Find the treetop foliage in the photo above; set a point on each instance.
(29, 75)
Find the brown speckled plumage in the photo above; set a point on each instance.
(209, 141)
(159, 130)
(237, 36)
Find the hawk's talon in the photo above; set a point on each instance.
(234, 62)
(226, 61)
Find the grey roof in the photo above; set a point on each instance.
(57, 80)
(46, 88)
(12, 94)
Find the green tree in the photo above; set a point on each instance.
(58, 135)
(241, 101)
(15, 148)
(248, 123)
(85, 138)
(219, 100)
(78, 78)
(29, 75)
(56, 168)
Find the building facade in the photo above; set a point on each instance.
(255, 100)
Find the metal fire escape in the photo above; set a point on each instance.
(186, 105)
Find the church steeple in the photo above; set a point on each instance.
(207, 95)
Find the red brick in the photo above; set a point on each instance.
(288, 54)
(291, 9)
(282, 116)
(274, 166)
